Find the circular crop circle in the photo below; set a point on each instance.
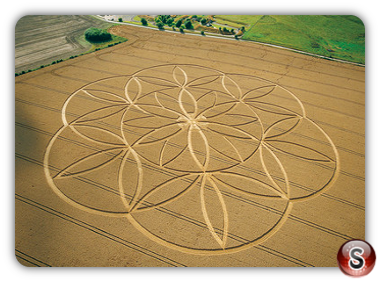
(218, 157)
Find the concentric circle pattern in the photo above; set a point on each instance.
(197, 160)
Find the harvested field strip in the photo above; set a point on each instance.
(40, 40)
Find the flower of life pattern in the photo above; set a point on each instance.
(197, 160)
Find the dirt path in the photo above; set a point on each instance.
(215, 153)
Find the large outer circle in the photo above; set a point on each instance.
(130, 216)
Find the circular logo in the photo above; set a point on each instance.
(356, 258)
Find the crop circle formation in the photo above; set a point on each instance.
(197, 160)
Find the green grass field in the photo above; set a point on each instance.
(340, 37)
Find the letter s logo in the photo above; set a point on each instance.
(356, 261)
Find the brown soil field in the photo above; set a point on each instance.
(179, 150)
(40, 40)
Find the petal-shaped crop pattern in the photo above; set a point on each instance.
(207, 153)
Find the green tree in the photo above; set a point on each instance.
(160, 25)
(144, 21)
(188, 25)
(162, 18)
(178, 23)
(120, 20)
(203, 21)
(170, 21)
(97, 35)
